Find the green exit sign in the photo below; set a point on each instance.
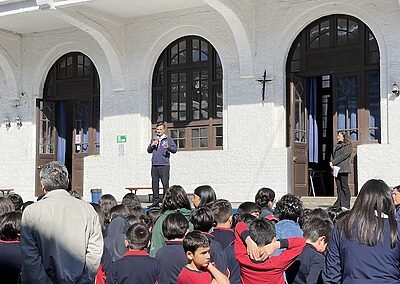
(122, 138)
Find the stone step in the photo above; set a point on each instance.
(321, 201)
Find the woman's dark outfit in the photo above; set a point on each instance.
(341, 158)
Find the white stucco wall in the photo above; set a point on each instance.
(254, 153)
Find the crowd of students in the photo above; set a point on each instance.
(264, 242)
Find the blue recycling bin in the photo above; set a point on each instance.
(96, 194)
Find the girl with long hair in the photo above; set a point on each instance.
(364, 246)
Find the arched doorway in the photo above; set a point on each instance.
(68, 116)
(333, 84)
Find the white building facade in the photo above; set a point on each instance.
(124, 40)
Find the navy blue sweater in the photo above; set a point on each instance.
(135, 267)
(217, 255)
(233, 264)
(225, 236)
(307, 268)
(348, 261)
(172, 259)
(160, 154)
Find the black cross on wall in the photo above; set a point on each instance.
(264, 80)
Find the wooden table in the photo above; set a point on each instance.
(5, 191)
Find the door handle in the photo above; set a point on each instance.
(39, 167)
(294, 159)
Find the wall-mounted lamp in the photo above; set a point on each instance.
(18, 122)
(395, 89)
(7, 123)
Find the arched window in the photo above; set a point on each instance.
(187, 93)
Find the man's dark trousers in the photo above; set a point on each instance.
(157, 173)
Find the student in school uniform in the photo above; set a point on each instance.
(172, 257)
(136, 266)
(222, 232)
(199, 270)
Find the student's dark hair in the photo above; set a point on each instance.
(10, 226)
(16, 199)
(54, 175)
(316, 212)
(222, 210)
(248, 208)
(175, 226)
(138, 236)
(100, 213)
(132, 202)
(315, 227)
(106, 202)
(289, 207)
(248, 219)
(141, 219)
(207, 195)
(6, 205)
(365, 222)
(202, 219)
(262, 231)
(119, 209)
(334, 213)
(194, 240)
(175, 198)
(153, 214)
(264, 196)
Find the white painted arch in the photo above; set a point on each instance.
(52, 55)
(10, 72)
(240, 31)
(110, 47)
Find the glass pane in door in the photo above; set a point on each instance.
(299, 112)
(46, 127)
(82, 126)
(347, 105)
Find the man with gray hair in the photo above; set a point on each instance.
(61, 237)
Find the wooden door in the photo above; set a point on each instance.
(298, 135)
(46, 137)
(348, 112)
(81, 141)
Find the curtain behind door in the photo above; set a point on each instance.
(312, 121)
(61, 125)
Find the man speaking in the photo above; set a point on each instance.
(160, 146)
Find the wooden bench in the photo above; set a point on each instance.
(5, 191)
(136, 188)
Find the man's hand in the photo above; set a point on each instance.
(155, 142)
(252, 249)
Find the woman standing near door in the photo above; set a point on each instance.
(341, 158)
